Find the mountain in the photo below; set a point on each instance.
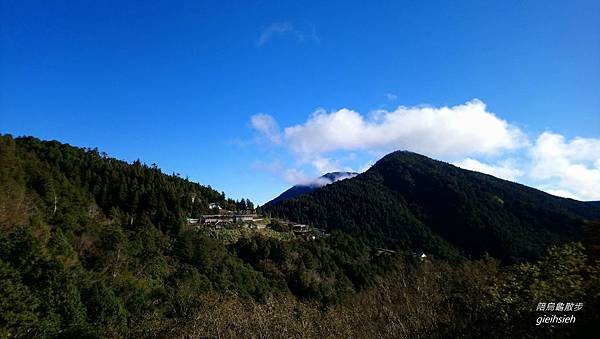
(409, 201)
(58, 177)
(93, 247)
(321, 181)
(89, 243)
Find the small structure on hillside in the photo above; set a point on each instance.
(231, 219)
(244, 217)
(258, 226)
(300, 228)
(216, 218)
(380, 251)
(422, 256)
(214, 206)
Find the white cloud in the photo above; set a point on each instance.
(568, 168)
(391, 97)
(266, 126)
(505, 169)
(286, 28)
(561, 193)
(295, 176)
(329, 141)
(322, 181)
(325, 165)
(365, 167)
(462, 130)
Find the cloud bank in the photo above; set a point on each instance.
(322, 181)
(506, 169)
(468, 135)
(467, 129)
(567, 168)
(267, 126)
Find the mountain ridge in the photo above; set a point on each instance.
(321, 181)
(407, 200)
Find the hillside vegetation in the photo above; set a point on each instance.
(409, 201)
(91, 246)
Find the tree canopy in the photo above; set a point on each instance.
(409, 201)
(91, 246)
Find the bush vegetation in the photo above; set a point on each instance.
(91, 246)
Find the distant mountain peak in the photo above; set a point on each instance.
(310, 186)
(331, 177)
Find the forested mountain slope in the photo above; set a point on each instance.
(93, 247)
(88, 242)
(63, 177)
(411, 201)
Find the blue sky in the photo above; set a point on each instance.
(243, 96)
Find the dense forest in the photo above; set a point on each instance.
(407, 200)
(91, 246)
